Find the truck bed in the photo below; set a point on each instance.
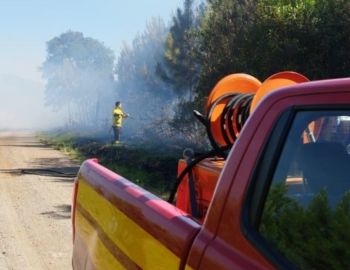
(133, 223)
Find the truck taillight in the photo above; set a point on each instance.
(74, 199)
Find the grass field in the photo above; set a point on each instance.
(152, 168)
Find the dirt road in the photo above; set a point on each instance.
(35, 229)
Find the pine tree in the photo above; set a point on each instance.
(181, 65)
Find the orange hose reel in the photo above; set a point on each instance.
(236, 86)
(239, 83)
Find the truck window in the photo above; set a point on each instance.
(306, 214)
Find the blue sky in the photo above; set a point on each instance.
(26, 25)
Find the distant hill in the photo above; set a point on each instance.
(22, 104)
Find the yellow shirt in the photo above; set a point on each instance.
(118, 115)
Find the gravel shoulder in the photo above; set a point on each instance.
(35, 225)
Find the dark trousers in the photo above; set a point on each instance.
(116, 131)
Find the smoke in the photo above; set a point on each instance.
(22, 105)
(147, 94)
(81, 82)
(78, 71)
(144, 95)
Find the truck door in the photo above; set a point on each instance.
(283, 200)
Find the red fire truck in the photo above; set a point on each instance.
(272, 194)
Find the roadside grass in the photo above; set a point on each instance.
(63, 143)
(153, 170)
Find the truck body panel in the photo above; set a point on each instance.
(206, 175)
(133, 224)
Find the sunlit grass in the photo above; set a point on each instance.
(63, 143)
(142, 167)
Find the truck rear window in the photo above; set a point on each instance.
(306, 216)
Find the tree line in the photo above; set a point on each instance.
(169, 69)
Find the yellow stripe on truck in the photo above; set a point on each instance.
(136, 243)
(99, 254)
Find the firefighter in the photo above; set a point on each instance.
(118, 116)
